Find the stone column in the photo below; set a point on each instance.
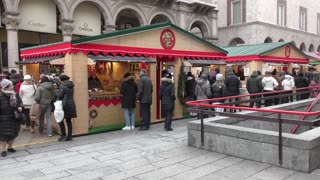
(12, 21)
(109, 28)
(67, 27)
(213, 30)
(182, 16)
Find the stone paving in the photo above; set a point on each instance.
(135, 155)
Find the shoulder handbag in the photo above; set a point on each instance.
(20, 117)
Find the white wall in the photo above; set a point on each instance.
(266, 11)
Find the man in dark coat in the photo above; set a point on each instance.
(145, 90)
(301, 82)
(232, 84)
(128, 90)
(167, 97)
(254, 85)
(190, 87)
(65, 93)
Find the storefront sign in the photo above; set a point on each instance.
(38, 16)
(287, 51)
(167, 39)
(87, 20)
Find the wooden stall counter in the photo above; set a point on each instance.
(106, 113)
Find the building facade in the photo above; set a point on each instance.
(260, 21)
(34, 22)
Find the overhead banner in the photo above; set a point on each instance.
(87, 20)
(40, 16)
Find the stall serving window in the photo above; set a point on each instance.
(106, 74)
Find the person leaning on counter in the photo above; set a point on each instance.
(93, 82)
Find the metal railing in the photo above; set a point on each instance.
(203, 107)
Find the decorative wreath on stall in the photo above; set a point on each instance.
(93, 113)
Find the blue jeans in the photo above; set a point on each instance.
(129, 116)
(146, 114)
(45, 112)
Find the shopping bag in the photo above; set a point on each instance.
(58, 111)
(35, 112)
(20, 117)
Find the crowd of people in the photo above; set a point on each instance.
(35, 100)
(216, 86)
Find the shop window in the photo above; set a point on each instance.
(236, 11)
(282, 13)
(303, 19)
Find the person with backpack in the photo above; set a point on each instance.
(218, 91)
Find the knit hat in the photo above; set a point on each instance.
(5, 83)
(63, 77)
(126, 75)
(27, 77)
(204, 76)
(219, 77)
(143, 72)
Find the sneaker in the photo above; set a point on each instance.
(4, 153)
(132, 127)
(126, 128)
(49, 135)
(32, 130)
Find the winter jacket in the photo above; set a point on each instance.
(218, 90)
(203, 89)
(128, 90)
(269, 83)
(232, 84)
(301, 82)
(190, 86)
(167, 92)
(67, 89)
(145, 90)
(254, 84)
(9, 127)
(27, 93)
(45, 93)
(288, 83)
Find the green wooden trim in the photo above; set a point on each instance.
(143, 29)
(110, 128)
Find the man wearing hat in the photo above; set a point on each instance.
(144, 96)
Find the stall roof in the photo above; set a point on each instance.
(312, 55)
(205, 62)
(37, 60)
(109, 58)
(261, 51)
(86, 46)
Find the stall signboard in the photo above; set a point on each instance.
(87, 20)
(246, 71)
(38, 16)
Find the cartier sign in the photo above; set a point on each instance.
(38, 16)
(87, 20)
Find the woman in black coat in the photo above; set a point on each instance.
(9, 127)
(65, 93)
(167, 97)
(128, 90)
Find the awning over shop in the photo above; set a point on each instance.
(205, 62)
(280, 52)
(109, 58)
(312, 55)
(37, 60)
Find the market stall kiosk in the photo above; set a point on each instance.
(106, 58)
(280, 56)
